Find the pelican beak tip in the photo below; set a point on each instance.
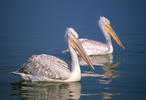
(123, 47)
(93, 68)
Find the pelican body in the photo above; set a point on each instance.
(50, 68)
(93, 47)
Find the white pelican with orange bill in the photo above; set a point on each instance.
(52, 69)
(93, 47)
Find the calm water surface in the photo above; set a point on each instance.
(35, 27)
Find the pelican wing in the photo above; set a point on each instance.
(45, 67)
(94, 47)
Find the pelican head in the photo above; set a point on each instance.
(71, 33)
(105, 25)
(103, 21)
(74, 42)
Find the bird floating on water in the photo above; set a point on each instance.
(93, 47)
(50, 68)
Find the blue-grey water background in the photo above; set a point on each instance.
(30, 27)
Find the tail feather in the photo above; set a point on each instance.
(16, 73)
(22, 75)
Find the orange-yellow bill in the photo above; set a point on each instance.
(78, 47)
(109, 29)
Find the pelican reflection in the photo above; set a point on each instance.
(100, 60)
(106, 63)
(111, 72)
(47, 91)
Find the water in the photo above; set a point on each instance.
(35, 27)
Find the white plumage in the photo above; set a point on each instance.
(93, 47)
(44, 67)
(50, 68)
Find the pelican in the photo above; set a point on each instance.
(52, 69)
(93, 47)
